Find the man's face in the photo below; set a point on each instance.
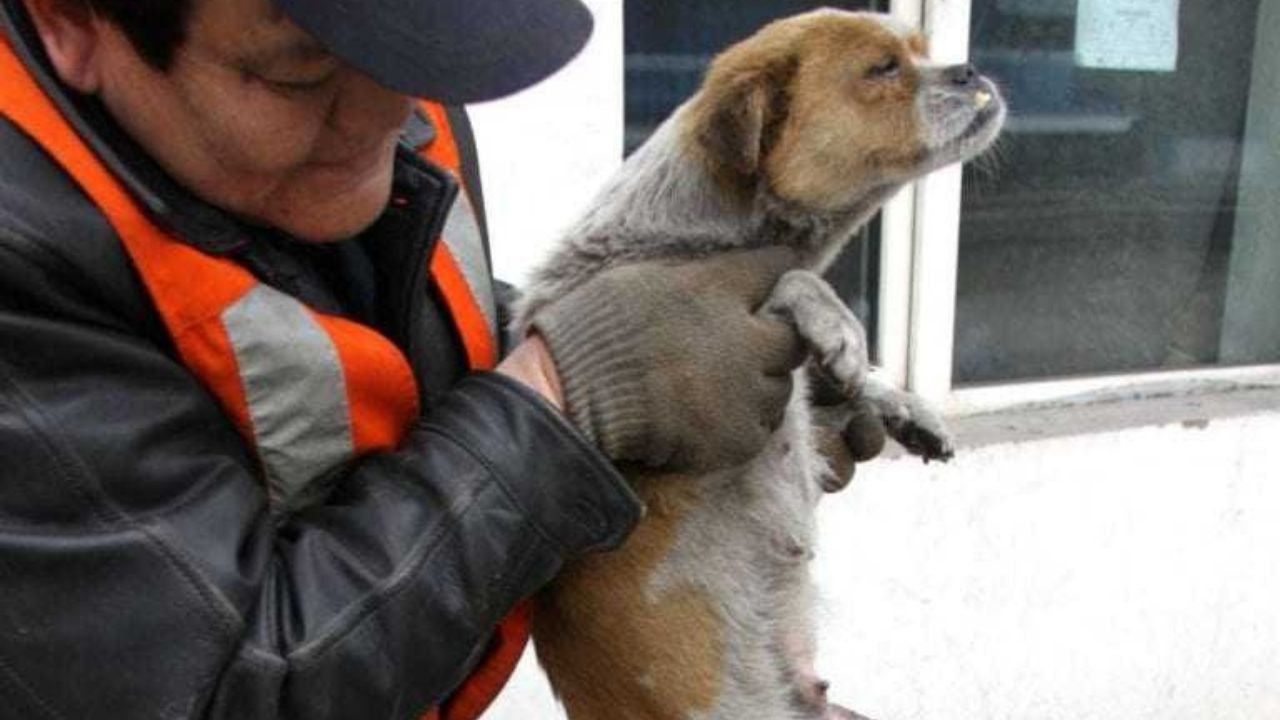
(256, 118)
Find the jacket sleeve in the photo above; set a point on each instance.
(143, 577)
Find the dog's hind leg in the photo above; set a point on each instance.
(838, 343)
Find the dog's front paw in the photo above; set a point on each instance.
(930, 442)
(912, 422)
(836, 340)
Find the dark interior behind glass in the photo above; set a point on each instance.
(1108, 233)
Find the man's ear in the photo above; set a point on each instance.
(71, 34)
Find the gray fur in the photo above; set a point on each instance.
(748, 545)
(661, 205)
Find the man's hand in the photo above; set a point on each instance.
(671, 364)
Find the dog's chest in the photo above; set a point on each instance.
(751, 524)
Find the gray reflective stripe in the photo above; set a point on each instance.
(462, 236)
(295, 388)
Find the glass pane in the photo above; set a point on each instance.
(1129, 219)
(668, 46)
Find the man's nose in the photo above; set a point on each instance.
(363, 108)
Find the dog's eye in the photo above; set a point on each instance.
(888, 68)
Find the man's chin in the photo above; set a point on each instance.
(331, 219)
(332, 203)
(324, 232)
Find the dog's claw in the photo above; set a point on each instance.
(928, 443)
(911, 421)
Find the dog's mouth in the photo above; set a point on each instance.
(980, 132)
(987, 121)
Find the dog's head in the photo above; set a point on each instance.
(826, 107)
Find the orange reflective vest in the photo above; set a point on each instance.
(308, 391)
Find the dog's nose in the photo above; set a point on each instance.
(961, 75)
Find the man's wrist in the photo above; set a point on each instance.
(531, 364)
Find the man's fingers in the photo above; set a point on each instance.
(774, 394)
(753, 273)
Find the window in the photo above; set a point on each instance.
(1128, 222)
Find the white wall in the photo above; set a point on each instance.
(543, 152)
(1124, 575)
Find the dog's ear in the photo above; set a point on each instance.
(732, 129)
(736, 116)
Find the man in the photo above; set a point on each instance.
(255, 461)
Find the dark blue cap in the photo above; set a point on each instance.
(454, 51)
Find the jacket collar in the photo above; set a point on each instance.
(169, 204)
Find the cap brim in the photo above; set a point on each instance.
(454, 51)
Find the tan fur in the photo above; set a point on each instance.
(675, 638)
(794, 103)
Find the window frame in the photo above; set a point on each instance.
(920, 244)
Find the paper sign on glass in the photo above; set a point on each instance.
(1127, 34)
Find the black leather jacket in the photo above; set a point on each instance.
(141, 575)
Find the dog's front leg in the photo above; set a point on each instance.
(836, 340)
(910, 420)
(839, 347)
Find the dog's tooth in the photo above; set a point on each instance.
(982, 99)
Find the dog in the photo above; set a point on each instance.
(796, 137)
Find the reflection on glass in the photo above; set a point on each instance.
(1129, 219)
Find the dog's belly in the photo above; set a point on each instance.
(699, 614)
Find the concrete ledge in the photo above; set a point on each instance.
(1193, 407)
